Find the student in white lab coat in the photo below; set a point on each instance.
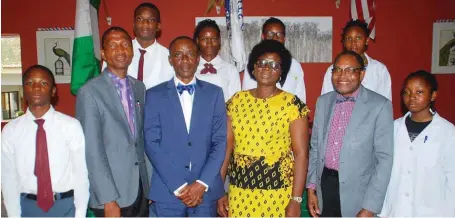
(377, 77)
(423, 174)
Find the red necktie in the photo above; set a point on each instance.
(140, 69)
(208, 68)
(45, 196)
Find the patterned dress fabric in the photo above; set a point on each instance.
(261, 168)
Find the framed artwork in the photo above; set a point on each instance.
(443, 55)
(309, 39)
(55, 49)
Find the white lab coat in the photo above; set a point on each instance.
(377, 79)
(423, 174)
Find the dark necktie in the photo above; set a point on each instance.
(45, 196)
(344, 99)
(140, 69)
(189, 88)
(208, 68)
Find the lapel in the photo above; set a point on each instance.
(176, 108)
(137, 104)
(358, 115)
(115, 99)
(198, 106)
(329, 115)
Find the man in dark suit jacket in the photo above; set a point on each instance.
(110, 109)
(185, 138)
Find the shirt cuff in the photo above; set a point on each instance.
(177, 191)
(203, 183)
(311, 186)
(81, 213)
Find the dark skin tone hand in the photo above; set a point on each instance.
(111, 209)
(365, 213)
(192, 194)
(293, 209)
(312, 202)
(223, 203)
(223, 206)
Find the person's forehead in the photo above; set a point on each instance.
(208, 29)
(38, 74)
(146, 10)
(183, 43)
(275, 27)
(117, 35)
(355, 30)
(417, 81)
(347, 60)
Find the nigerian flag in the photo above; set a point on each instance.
(86, 47)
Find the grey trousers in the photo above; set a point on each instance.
(61, 208)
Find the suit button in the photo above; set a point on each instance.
(136, 163)
(322, 160)
(135, 144)
(189, 144)
(187, 167)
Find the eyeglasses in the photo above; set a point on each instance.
(273, 65)
(348, 70)
(270, 35)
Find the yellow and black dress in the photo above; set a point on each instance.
(261, 168)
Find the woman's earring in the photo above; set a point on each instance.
(432, 111)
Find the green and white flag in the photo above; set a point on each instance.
(86, 47)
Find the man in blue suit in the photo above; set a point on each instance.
(185, 138)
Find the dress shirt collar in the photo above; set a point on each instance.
(215, 62)
(114, 77)
(177, 81)
(149, 49)
(368, 59)
(355, 94)
(47, 116)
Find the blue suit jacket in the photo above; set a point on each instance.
(171, 148)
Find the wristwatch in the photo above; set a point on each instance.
(298, 199)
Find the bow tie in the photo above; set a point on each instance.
(344, 99)
(189, 88)
(208, 68)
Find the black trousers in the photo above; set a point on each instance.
(139, 208)
(330, 193)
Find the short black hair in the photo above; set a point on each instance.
(429, 79)
(203, 24)
(355, 23)
(182, 37)
(358, 58)
(273, 20)
(113, 29)
(150, 6)
(38, 67)
(270, 46)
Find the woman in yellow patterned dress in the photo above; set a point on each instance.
(267, 152)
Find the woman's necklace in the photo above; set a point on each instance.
(254, 94)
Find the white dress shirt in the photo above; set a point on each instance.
(227, 76)
(294, 84)
(377, 79)
(186, 100)
(156, 64)
(66, 150)
(422, 182)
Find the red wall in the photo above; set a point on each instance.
(403, 38)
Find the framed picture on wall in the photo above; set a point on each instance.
(443, 55)
(55, 48)
(309, 39)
